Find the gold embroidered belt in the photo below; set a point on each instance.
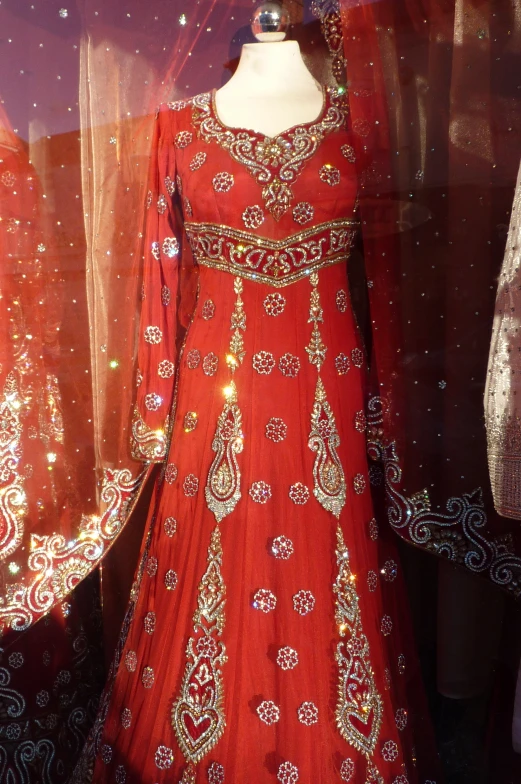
(276, 262)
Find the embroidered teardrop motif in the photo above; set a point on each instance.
(223, 487)
(198, 716)
(330, 484)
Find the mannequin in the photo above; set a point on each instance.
(272, 90)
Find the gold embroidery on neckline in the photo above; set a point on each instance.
(274, 162)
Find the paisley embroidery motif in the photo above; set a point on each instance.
(359, 707)
(274, 162)
(145, 443)
(223, 487)
(198, 716)
(330, 484)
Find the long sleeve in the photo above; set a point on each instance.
(156, 352)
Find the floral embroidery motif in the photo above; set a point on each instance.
(183, 139)
(120, 775)
(386, 625)
(126, 718)
(359, 484)
(303, 602)
(170, 247)
(164, 757)
(289, 365)
(264, 600)
(347, 769)
(400, 718)
(147, 677)
(170, 526)
(342, 300)
(357, 355)
(150, 196)
(330, 486)
(299, 493)
(153, 401)
(260, 492)
(316, 350)
(154, 249)
(153, 335)
(372, 580)
(193, 358)
(150, 622)
(390, 571)
(187, 207)
(169, 185)
(287, 658)
(303, 212)
(210, 364)
(216, 773)
(263, 362)
(359, 707)
(329, 174)
(222, 182)
(276, 430)
(390, 751)
(208, 310)
(360, 422)
(197, 161)
(166, 368)
(287, 773)
(274, 304)
(106, 753)
(361, 127)
(275, 163)
(171, 580)
(161, 205)
(268, 712)
(165, 295)
(190, 421)
(253, 217)
(171, 473)
(373, 529)
(190, 485)
(131, 661)
(308, 713)
(342, 364)
(151, 566)
(348, 152)
(401, 663)
(222, 491)
(282, 548)
(238, 326)
(198, 716)
(179, 183)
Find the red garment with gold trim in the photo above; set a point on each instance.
(261, 647)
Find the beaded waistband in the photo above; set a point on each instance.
(276, 262)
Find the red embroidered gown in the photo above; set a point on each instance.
(258, 647)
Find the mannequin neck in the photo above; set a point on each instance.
(273, 67)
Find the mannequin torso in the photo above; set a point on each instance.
(271, 90)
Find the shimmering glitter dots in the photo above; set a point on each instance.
(170, 247)
(274, 304)
(151, 567)
(268, 712)
(372, 580)
(263, 362)
(402, 779)
(303, 602)
(372, 527)
(260, 492)
(197, 161)
(342, 300)
(289, 365)
(171, 473)
(303, 212)
(193, 358)
(360, 422)
(106, 753)
(362, 127)
(348, 152)
(282, 548)
(131, 661)
(210, 364)
(208, 310)
(357, 355)
(264, 600)
(359, 484)
(165, 295)
(150, 196)
(276, 430)
(190, 421)
(171, 580)
(308, 713)
(169, 185)
(390, 570)
(400, 718)
(153, 401)
(120, 775)
(147, 677)
(153, 335)
(149, 622)
(170, 526)
(183, 139)
(287, 773)
(401, 663)
(190, 485)
(287, 658)
(347, 769)
(161, 205)
(342, 364)
(222, 182)
(390, 751)
(166, 369)
(386, 625)
(216, 773)
(329, 174)
(253, 217)
(299, 493)
(154, 249)
(164, 757)
(126, 718)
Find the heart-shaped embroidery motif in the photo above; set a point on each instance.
(197, 730)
